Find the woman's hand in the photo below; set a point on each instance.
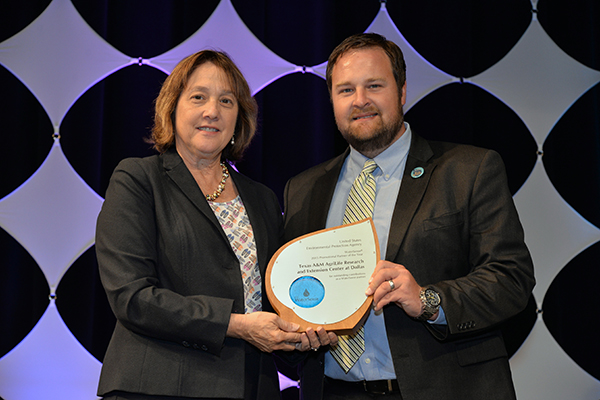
(266, 331)
(318, 338)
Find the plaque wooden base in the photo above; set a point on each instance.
(320, 279)
(347, 326)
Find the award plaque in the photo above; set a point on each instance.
(320, 279)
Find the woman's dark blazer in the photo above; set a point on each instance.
(172, 281)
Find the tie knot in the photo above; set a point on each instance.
(369, 167)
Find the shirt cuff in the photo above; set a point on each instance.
(441, 318)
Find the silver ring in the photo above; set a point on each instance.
(314, 348)
(392, 285)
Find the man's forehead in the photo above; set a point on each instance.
(370, 64)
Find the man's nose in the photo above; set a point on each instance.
(360, 98)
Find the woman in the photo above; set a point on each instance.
(182, 243)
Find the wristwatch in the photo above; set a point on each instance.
(431, 303)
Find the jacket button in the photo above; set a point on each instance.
(203, 347)
(185, 344)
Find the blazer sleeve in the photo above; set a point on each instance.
(501, 276)
(127, 246)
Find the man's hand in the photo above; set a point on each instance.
(403, 289)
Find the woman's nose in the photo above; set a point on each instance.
(211, 109)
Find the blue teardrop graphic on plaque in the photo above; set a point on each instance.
(307, 291)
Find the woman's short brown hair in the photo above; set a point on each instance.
(163, 132)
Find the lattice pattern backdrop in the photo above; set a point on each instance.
(534, 87)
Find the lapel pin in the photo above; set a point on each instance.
(417, 172)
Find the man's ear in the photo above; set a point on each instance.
(403, 97)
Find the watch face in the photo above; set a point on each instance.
(432, 297)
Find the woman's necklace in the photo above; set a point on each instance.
(217, 193)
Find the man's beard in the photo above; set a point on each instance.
(380, 139)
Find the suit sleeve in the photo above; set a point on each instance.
(501, 277)
(127, 251)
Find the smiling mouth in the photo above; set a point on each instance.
(365, 116)
(207, 129)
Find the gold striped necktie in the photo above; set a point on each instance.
(359, 206)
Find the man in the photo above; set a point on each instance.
(455, 261)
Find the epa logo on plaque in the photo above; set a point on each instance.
(320, 279)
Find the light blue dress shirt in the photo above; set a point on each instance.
(376, 362)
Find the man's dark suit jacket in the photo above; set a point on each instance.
(173, 281)
(455, 228)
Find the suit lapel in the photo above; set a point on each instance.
(320, 199)
(411, 192)
(176, 169)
